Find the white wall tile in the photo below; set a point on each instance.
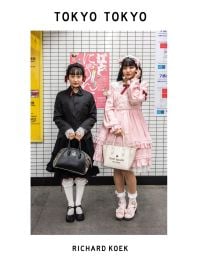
(57, 47)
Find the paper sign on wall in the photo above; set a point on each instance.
(36, 87)
(96, 66)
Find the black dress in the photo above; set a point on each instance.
(73, 111)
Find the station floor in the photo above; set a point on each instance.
(48, 210)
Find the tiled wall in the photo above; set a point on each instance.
(57, 47)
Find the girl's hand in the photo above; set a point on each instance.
(118, 132)
(71, 136)
(78, 136)
(79, 133)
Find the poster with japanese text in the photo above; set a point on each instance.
(96, 66)
(36, 87)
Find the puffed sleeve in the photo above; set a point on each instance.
(110, 119)
(137, 92)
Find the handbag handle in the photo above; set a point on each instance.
(116, 138)
(69, 145)
(69, 148)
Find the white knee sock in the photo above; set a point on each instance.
(80, 187)
(68, 188)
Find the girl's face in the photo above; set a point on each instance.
(129, 72)
(75, 80)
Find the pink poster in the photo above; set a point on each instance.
(97, 73)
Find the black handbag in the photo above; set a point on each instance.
(73, 160)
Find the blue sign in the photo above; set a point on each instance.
(161, 66)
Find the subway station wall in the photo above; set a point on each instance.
(57, 47)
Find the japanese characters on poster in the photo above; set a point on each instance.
(36, 87)
(161, 74)
(96, 66)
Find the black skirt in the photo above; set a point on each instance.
(62, 142)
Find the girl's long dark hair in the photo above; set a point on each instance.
(126, 62)
(139, 68)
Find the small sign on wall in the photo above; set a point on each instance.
(161, 74)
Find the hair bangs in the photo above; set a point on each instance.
(129, 62)
(75, 71)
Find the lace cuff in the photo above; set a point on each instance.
(68, 132)
(81, 131)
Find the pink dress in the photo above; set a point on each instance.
(124, 111)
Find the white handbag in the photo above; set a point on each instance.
(119, 157)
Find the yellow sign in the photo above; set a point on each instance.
(36, 87)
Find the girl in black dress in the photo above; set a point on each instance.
(74, 114)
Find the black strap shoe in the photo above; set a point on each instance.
(70, 218)
(78, 216)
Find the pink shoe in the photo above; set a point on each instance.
(120, 211)
(131, 210)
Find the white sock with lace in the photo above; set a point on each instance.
(132, 197)
(68, 188)
(80, 187)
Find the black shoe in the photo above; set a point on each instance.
(79, 217)
(70, 218)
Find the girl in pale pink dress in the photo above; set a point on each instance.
(123, 117)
